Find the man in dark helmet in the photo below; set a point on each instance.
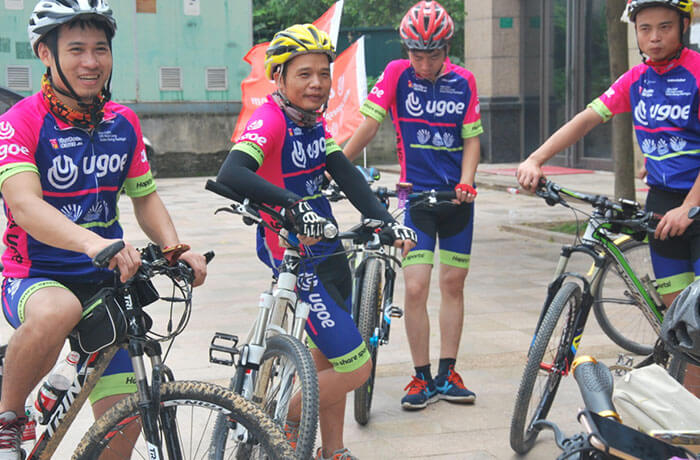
(662, 92)
(434, 107)
(66, 153)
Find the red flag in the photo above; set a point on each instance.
(255, 87)
(348, 92)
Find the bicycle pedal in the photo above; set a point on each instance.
(395, 312)
(217, 349)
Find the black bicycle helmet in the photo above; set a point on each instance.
(680, 329)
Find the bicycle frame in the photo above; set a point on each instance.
(92, 368)
(597, 243)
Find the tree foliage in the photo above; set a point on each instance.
(270, 16)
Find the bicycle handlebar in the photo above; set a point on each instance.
(694, 213)
(333, 194)
(624, 212)
(250, 211)
(595, 382)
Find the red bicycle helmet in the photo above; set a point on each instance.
(426, 26)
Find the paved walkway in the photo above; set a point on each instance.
(504, 293)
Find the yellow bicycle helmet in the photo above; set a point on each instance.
(293, 41)
(684, 7)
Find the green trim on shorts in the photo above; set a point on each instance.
(418, 257)
(32, 289)
(351, 361)
(115, 384)
(310, 343)
(454, 259)
(675, 283)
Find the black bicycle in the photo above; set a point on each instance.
(374, 269)
(174, 418)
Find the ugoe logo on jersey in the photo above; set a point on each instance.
(438, 108)
(660, 112)
(63, 173)
(6, 130)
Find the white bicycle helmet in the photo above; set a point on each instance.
(680, 329)
(50, 14)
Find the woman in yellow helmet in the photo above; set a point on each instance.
(281, 159)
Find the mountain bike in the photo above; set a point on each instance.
(173, 417)
(374, 278)
(274, 364)
(570, 297)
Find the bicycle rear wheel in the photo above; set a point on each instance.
(368, 316)
(546, 363)
(292, 370)
(192, 407)
(619, 315)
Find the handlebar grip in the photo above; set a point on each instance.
(223, 190)
(595, 382)
(208, 256)
(101, 260)
(445, 195)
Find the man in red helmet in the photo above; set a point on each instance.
(662, 93)
(435, 110)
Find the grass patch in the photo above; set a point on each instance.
(568, 227)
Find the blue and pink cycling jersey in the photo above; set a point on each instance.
(294, 158)
(664, 103)
(431, 120)
(81, 175)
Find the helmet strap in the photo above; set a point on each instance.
(302, 117)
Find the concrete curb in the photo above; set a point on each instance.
(537, 233)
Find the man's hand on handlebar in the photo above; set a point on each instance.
(404, 237)
(198, 264)
(128, 260)
(309, 225)
(529, 173)
(674, 223)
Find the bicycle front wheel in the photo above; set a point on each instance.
(546, 364)
(368, 316)
(188, 409)
(620, 316)
(290, 370)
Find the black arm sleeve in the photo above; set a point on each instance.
(238, 173)
(355, 187)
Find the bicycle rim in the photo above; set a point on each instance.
(191, 408)
(619, 315)
(291, 370)
(369, 311)
(546, 363)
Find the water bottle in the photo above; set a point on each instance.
(29, 433)
(55, 386)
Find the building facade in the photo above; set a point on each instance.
(177, 63)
